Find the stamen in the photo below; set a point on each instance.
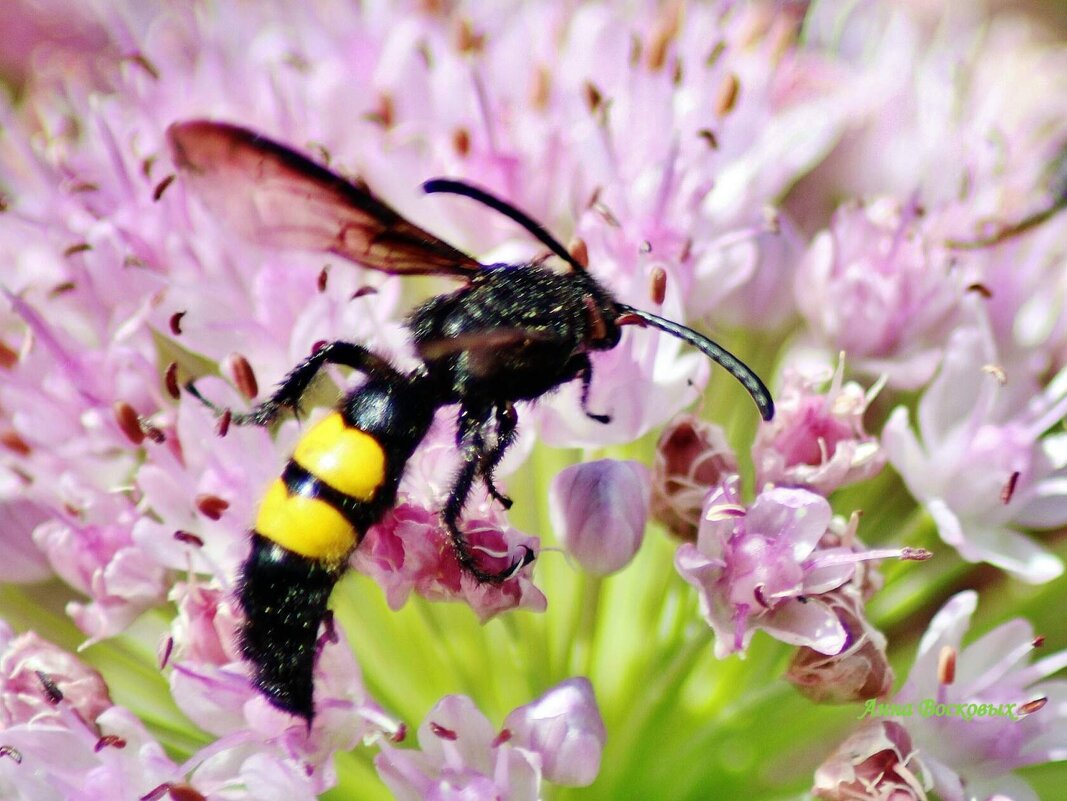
(1008, 490)
(165, 652)
(176, 323)
(14, 443)
(188, 538)
(502, 737)
(946, 665)
(324, 275)
(109, 741)
(170, 381)
(442, 732)
(161, 187)
(997, 372)
(726, 95)
(658, 286)
(461, 141)
(211, 506)
(579, 251)
(243, 376)
(128, 421)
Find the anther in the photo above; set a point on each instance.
(946, 665)
(14, 443)
(109, 741)
(165, 652)
(1008, 490)
(8, 357)
(243, 375)
(142, 61)
(726, 95)
(176, 323)
(189, 538)
(997, 372)
(461, 141)
(211, 506)
(170, 381)
(502, 737)
(442, 732)
(161, 187)
(128, 421)
(579, 251)
(223, 424)
(79, 247)
(1032, 706)
(592, 95)
(657, 288)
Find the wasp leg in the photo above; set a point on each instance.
(471, 441)
(506, 421)
(295, 384)
(583, 369)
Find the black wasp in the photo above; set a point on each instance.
(512, 332)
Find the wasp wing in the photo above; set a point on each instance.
(278, 198)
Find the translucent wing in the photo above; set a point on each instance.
(278, 198)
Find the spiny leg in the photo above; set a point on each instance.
(506, 421)
(295, 384)
(583, 369)
(472, 445)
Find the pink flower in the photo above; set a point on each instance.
(817, 440)
(599, 510)
(692, 456)
(558, 736)
(758, 568)
(874, 287)
(968, 753)
(38, 676)
(409, 551)
(879, 762)
(62, 737)
(981, 463)
(775, 566)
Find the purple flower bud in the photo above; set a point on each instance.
(599, 510)
(563, 726)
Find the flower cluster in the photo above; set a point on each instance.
(863, 203)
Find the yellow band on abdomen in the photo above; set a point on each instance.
(307, 526)
(347, 459)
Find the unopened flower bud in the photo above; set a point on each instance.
(600, 510)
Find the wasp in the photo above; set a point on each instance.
(511, 332)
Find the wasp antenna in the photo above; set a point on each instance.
(535, 229)
(737, 368)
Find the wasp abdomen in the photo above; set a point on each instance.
(310, 520)
(284, 597)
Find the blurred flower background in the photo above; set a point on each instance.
(861, 200)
